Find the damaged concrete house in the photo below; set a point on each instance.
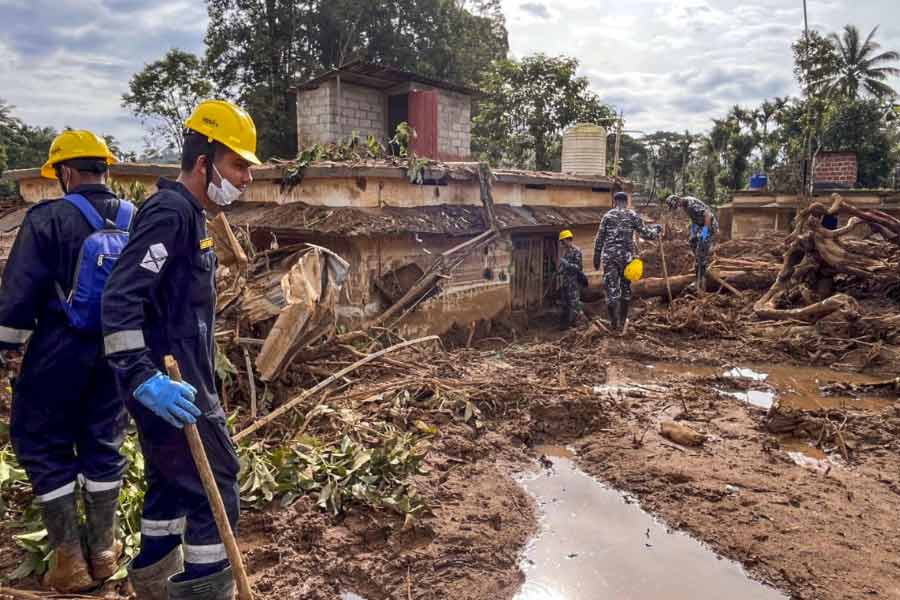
(752, 212)
(389, 229)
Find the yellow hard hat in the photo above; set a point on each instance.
(75, 144)
(223, 122)
(565, 235)
(635, 270)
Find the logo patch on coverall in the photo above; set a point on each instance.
(155, 258)
(206, 243)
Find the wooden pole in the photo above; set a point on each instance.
(213, 496)
(662, 254)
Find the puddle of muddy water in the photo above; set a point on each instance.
(594, 545)
(807, 456)
(796, 387)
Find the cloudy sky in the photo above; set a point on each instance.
(668, 64)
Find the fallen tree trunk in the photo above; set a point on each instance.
(656, 286)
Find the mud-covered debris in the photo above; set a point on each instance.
(681, 434)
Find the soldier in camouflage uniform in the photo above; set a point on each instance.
(704, 227)
(614, 247)
(572, 277)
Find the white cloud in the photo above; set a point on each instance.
(669, 64)
(676, 64)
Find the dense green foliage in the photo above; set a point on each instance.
(256, 50)
(526, 107)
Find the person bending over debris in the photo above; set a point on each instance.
(68, 420)
(704, 227)
(614, 247)
(161, 300)
(571, 270)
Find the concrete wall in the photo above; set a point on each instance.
(758, 212)
(363, 110)
(315, 118)
(454, 126)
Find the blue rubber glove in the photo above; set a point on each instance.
(172, 401)
(704, 233)
(694, 230)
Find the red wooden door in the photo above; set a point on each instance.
(423, 116)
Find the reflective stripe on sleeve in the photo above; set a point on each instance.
(14, 336)
(162, 528)
(205, 555)
(59, 492)
(122, 341)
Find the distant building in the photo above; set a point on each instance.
(372, 99)
(752, 212)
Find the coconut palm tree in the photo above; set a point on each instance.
(860, 66)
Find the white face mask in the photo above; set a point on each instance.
(223, 194)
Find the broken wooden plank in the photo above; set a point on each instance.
(228, 248)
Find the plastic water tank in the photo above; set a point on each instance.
(584, 150)
(759, 181)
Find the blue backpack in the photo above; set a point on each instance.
(98, 256)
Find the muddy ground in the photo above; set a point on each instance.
(819, 530)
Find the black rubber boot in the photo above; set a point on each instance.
(105, 549)
(68, 570)
(151, 582)
(218, 586)
(613, 309)
(623, 313)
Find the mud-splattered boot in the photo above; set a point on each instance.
(613, 308)
(151, 582)
(68, 572)
(218, 586)
(701, 281)
(105, 549)
(623, 315)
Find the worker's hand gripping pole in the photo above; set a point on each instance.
(214, 497)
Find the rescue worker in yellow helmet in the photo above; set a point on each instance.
(161, 301)
(68, 420)
(614, 248)
(572, 279)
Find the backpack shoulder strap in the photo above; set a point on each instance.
(87, 209)
(124, 215)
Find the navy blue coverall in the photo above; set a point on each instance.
(67, 416)
(160, 300)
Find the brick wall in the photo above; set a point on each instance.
(315, 118)
(454, 125)
(363, 110)
(836, 167)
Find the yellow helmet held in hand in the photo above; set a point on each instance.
(223, 122)
(75, 144)
(634, 270)
(566, 234)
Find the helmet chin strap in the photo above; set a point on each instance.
(61, 179)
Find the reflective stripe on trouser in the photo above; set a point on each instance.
(175, 500)
(205, 554)
(162, 528)
(67, 419)
(10, 335)
(63, 490)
